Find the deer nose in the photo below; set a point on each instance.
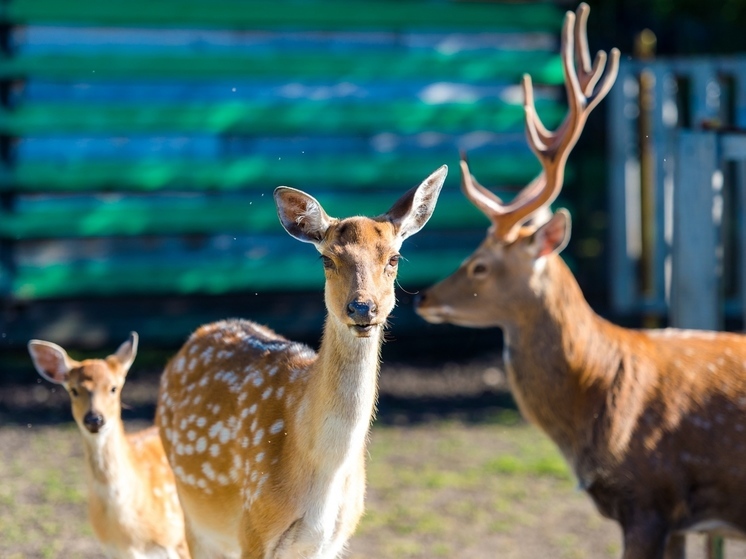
(362, 311)
(93, 421)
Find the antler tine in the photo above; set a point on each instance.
(487, 202)
(586, 85)
(534, 125)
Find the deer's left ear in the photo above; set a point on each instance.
(301, 215)
(51, 361)
(127, 352)
(412, 211)
(553, 236)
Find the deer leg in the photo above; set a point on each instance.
(645, 538)
(675, 546)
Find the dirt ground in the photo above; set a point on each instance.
(453, 472)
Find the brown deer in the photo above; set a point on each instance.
(266, 437)
(132, 500)
(653, 423)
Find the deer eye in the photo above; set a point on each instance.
(328, 262)
(74, 392)
(394, 260)
(113, 390)
(479, 270)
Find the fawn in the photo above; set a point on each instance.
(266, 437)
(653, 423)
(132, 500)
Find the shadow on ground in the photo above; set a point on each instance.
(409, 394)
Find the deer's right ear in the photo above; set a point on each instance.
(301, 215)
(51, 361)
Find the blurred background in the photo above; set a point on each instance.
(140, 143)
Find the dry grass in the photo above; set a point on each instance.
(471, 481)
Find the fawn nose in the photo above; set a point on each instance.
(362, 312)
(93, 421)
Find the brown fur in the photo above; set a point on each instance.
(653, 423)
(132, 501)
(267, 439)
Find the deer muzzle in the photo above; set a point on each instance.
(93, 421)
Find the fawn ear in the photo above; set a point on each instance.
(301, 215)
(412, 211)
(553, 235)
(127, 352)
(51, 361)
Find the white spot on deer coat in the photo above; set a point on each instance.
(208, 471)
(277, 426)
(258, 436)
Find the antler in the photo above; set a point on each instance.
(585, 89)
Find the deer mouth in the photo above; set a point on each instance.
(363, 330)
(434, 315)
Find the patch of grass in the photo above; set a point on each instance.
(442, 489)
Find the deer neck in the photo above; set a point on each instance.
(560, 358)
(109, 460)
(340, 396)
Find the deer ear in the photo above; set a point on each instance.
(553, 235)
(412, 211)
(301, 215)
(127, 352)
(51, 361)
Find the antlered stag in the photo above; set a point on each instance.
(267, 438)
(653, 422)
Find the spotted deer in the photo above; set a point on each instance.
(652, 422)
(266, 437)
(132, 500)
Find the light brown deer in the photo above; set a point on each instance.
(132, 500)
(653, 423)
(267, 438)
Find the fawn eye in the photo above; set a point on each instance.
(394, 260)
(328, 262)
(113, 390)
(74, 392)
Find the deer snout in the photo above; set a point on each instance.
(362, 312)
(428, 308)
(93, 421)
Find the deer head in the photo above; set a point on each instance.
(360, 254)
(494, 283)
(94, 385)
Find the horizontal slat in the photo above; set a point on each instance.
(506, 66)
(141, 215)
(200, 147)
(270, 92)
(274, 119)
(214, 275)
(350, 171)
(38, 39)
(328, 14)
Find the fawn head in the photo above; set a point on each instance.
(94, 385)
(360, 254)
(507, 269)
